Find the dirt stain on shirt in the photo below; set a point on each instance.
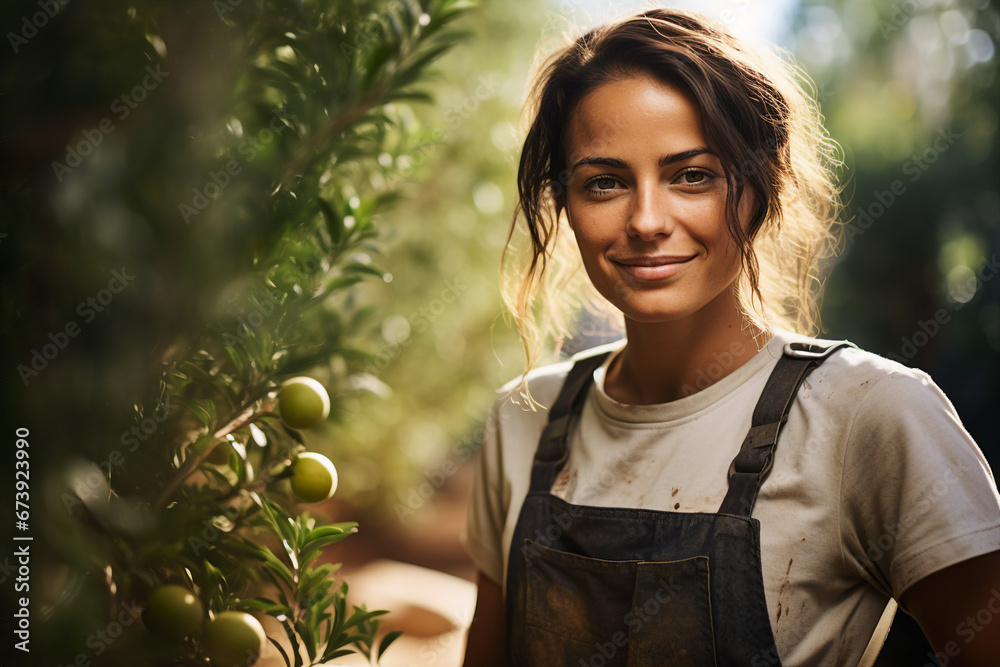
(562, 482)
(782, 589)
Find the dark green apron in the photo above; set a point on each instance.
(615, 587)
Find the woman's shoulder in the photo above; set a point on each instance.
(864, 378)
(851, 362)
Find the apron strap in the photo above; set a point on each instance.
(552, 449)
(756, 456)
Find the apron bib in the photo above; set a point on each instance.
(616, 587)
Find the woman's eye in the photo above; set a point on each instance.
(604, 183)
(694, 177)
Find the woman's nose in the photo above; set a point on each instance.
(649, 216)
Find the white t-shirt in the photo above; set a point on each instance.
(875, 484)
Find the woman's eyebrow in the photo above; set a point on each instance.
(686, 155)
(606, 161)
(665, 160)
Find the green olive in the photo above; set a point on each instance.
(233, 638)
(220, 455)
(303, 402)
(313, 477)
(174, 611)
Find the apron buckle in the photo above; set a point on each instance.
(811, 351)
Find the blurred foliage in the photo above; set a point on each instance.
(911, 92)
(192, 196)
(441, 346)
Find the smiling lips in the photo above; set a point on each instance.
(654, 268)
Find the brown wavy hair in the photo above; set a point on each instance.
(760, 117)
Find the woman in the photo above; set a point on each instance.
(649, 513)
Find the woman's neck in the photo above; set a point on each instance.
(665, 361)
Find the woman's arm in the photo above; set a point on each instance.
(958, 609)
(487, 646)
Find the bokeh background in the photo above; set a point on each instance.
(909, 89)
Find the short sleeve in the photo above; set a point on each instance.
(483, 535)
(917, 493)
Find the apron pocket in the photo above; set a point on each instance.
(577, 608)
(587, 611)
(671, 617)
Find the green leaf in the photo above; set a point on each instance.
(202, 443)
(328, 531)
(325, 535)
(269, 607)
(327, 657)
(281, 650)
(377, 61)
(334, 222)
(415, 68)
(361, 616)
(308, 638)
(279, 521)
(387, 641)
(311, 554)
(410, 95)
(212, 471)
(201, 409)
(357, 267)
(310, 580)
(196, 373)
(341, 282)
(290, 550)
(294, 639)
(263, 554)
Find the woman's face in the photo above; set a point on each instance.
(646, 200)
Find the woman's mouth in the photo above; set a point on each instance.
(657, 267)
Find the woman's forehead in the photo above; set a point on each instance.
(635, 112)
